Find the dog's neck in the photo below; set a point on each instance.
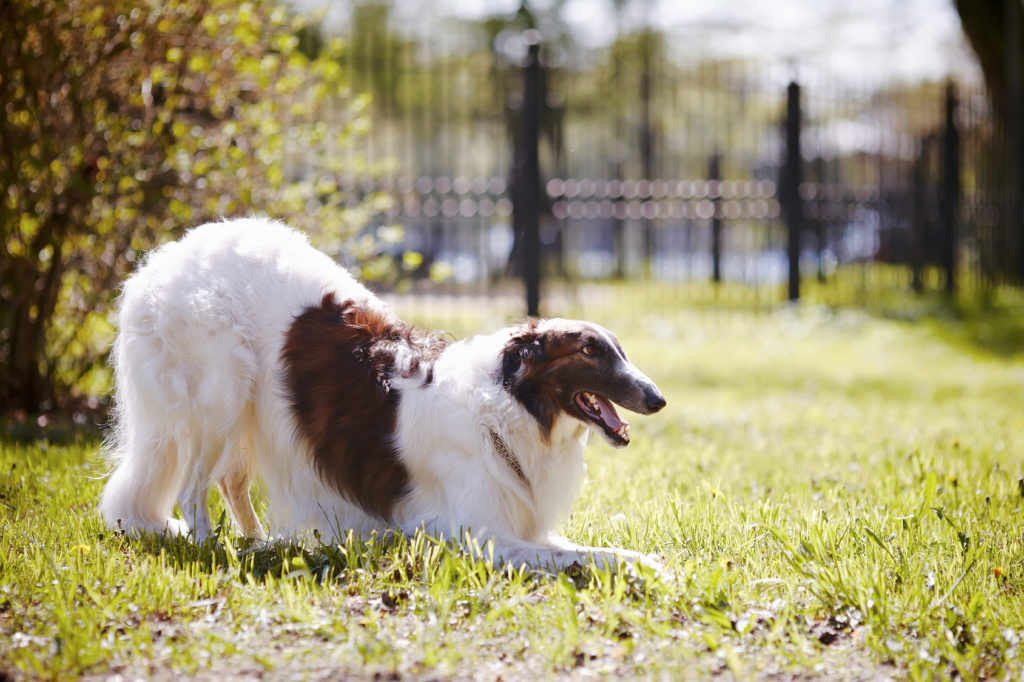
(551, 462)
(553, 469)
(502, 448)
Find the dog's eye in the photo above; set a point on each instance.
(590, 350)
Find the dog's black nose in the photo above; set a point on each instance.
(655, 401)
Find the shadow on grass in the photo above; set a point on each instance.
(260, 559)
(393, 558)
(993, 326)
(57, 428)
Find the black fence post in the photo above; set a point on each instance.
(919, 224)
(647, 148)
(526, 197)
(792, 176)
(618, 223)
(715, 176)
(950, 203)
(820, 206)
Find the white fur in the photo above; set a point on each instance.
(200, 400)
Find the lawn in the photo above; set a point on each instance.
(834, 495)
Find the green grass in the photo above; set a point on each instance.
(834, 495)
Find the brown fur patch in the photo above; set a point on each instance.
(339, 362)
(534, 365)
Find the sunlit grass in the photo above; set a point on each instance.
(833, 494)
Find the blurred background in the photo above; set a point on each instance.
(485, 159)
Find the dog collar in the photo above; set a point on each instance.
(502, 448)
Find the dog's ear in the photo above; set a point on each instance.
(523, 359)
(530, 349)
(525, 348)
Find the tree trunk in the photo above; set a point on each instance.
(27, 382)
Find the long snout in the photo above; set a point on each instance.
(639, 394)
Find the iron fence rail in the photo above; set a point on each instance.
(717, 172)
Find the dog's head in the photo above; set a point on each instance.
(556, 367)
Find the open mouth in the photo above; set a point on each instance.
(601, 412)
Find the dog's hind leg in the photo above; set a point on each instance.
(149, 442)
(234, 486)
(140, 493)
(194, 503)
(235, 478)
(211, 455)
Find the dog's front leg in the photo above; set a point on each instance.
(558, 553)
(604, 557)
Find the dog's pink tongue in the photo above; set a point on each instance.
(608, 414)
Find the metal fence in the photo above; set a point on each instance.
(707, 178)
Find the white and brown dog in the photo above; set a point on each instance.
(243, 351)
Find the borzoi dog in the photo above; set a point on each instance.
(244, 351)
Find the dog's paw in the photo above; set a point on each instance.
(628, 559)
(136, 529)
(176, 528)
(638, 560)
(652, 564)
